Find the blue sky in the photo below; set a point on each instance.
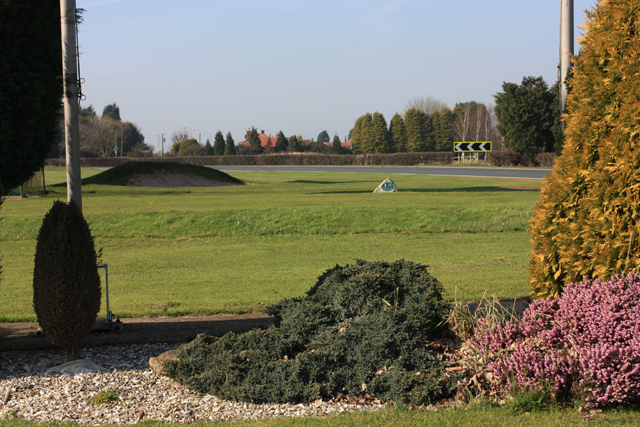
(305, 66)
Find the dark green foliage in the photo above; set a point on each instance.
(208, 149)
(444, 134)
(281, 142)
(132, 137)
(218, 144)
(323, 137)
(30, 86)
(230, 146)
(66, 284)
(293, 144)
(419, 131)
(527, 114)
(363, 135)
(1, 200)
(435, 124)
(381, 142)
(111, 111)
(336, 147)
(85, 112)
(190, 147)
(397, 134)
(317, 147)
(363, 328)
(254, 142)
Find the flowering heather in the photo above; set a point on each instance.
(585, 343)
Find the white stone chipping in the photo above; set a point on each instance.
(36, 396)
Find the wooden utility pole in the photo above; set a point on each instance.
(566, 49)
(71, 100)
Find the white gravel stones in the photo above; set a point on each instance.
(36, 396)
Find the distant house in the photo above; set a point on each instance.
(344, 144)
(267, 142)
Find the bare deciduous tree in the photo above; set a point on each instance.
(480, 113)
(98, 137)
(179, 136)
(426, 104)
(461, 123)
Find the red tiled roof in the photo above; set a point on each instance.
(264, 139)
(343, 144)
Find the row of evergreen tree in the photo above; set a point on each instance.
(221, 147)
(416, 132)
(185, 146)
(293, 144)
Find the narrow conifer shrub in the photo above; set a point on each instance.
(362, 329)
(588, 217)
(66, 283)
(584, 343)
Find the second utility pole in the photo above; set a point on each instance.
(566, 49)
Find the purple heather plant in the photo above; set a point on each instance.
(587, 340)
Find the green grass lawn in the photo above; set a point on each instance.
(235, 249)
(474, 415)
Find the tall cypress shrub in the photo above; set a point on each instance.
(362, 142)
(66, 284)
(444, 134)
(281, 142)
(208, 149)
(30, 86)
(397, 134)
(254, 142)
(229, 146)
(417, 131)
(218, 144)
(380, 135)
(293, 144)
(586, 222)
(336, 147)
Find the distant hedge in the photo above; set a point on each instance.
(509, 158)
(395, 159)
(496, 158)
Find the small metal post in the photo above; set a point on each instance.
(106, 272)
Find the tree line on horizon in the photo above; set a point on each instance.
(427, 125)
(292, 144)
(183, 145)
(525, 120)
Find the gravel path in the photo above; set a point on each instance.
(29, 393)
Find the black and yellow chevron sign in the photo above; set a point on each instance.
(472, 147)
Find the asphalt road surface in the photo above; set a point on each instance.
(484, 172)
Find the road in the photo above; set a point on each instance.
(484, 172)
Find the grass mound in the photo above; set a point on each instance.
(121, 174)
(362, 329)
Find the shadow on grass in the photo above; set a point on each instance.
(439, 190)
(21, 336)
(304, 181)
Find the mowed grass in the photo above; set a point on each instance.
(476, 415)
(237, 248)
